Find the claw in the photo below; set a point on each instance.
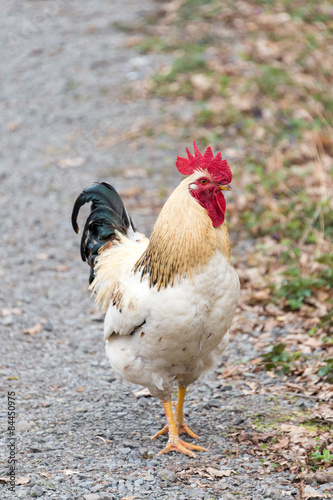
(184, 428)
(182, 447)
(165, 430)
(177, 447)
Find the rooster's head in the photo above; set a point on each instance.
(210, 175)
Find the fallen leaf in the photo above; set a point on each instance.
(282, 443)
(130, 192)
(34, 329)
(142, 392)
(297, 387)
(62, 269)
(81, 389)
(313, 342)
(135, 172)
(219, 473)
(8, 312)
(310, 492)
(324, 477)
(202, 83)
(324, 412)
(71, 162)
(12, 378)
(42, 256)
(20, 480)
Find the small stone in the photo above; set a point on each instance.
(194, 493)
(36, 448)
(148, 478)
(92, 496)
(23, 425)
(8, 321)
(129, 443)
(323, 477)
(124, 451)
(271, 493)
(36, 491)
(167, 475)
(48, 326)
(97, 487)
(143, 402)
(225, 388)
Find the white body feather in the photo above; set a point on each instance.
(185, 326)
(155, 336)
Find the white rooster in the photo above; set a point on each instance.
(170, 300)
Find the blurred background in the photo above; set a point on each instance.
(93, 94)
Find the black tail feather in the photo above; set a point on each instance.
(107, 215)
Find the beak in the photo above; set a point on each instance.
(225, 188)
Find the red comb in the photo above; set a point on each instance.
(216, 167)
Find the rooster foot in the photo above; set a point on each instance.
(183, 428)
(182, 447)
(165, 430)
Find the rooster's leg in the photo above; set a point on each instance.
(174, 442)
(179, 417)
(181, 424)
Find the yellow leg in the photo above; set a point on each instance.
(179, 417)
(182, 426)
(174, 442)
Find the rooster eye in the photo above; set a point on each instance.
(203, 181)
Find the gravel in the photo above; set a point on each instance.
(80, 432)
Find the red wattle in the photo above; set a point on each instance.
(215, 206)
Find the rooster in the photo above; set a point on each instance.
(170, 300)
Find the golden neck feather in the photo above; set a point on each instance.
(183, 240)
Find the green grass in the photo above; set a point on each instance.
(272, 81)
(279, 359)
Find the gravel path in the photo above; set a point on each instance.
(81, 433)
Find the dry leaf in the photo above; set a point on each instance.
(45, 474)
(143, 392)
(297, 387)
(310, 492)
(282, 443)
(324, 412)
(42, 256)
(201, 82)
(219, 473)
(20, 480)
(8, 312)
(130, 192)
(34, 329)
(62, 269)
(71, 162)
(135, 172)
(81, 389)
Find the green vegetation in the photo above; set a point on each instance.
(279, 359)
(327, 370)
(324, 456)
